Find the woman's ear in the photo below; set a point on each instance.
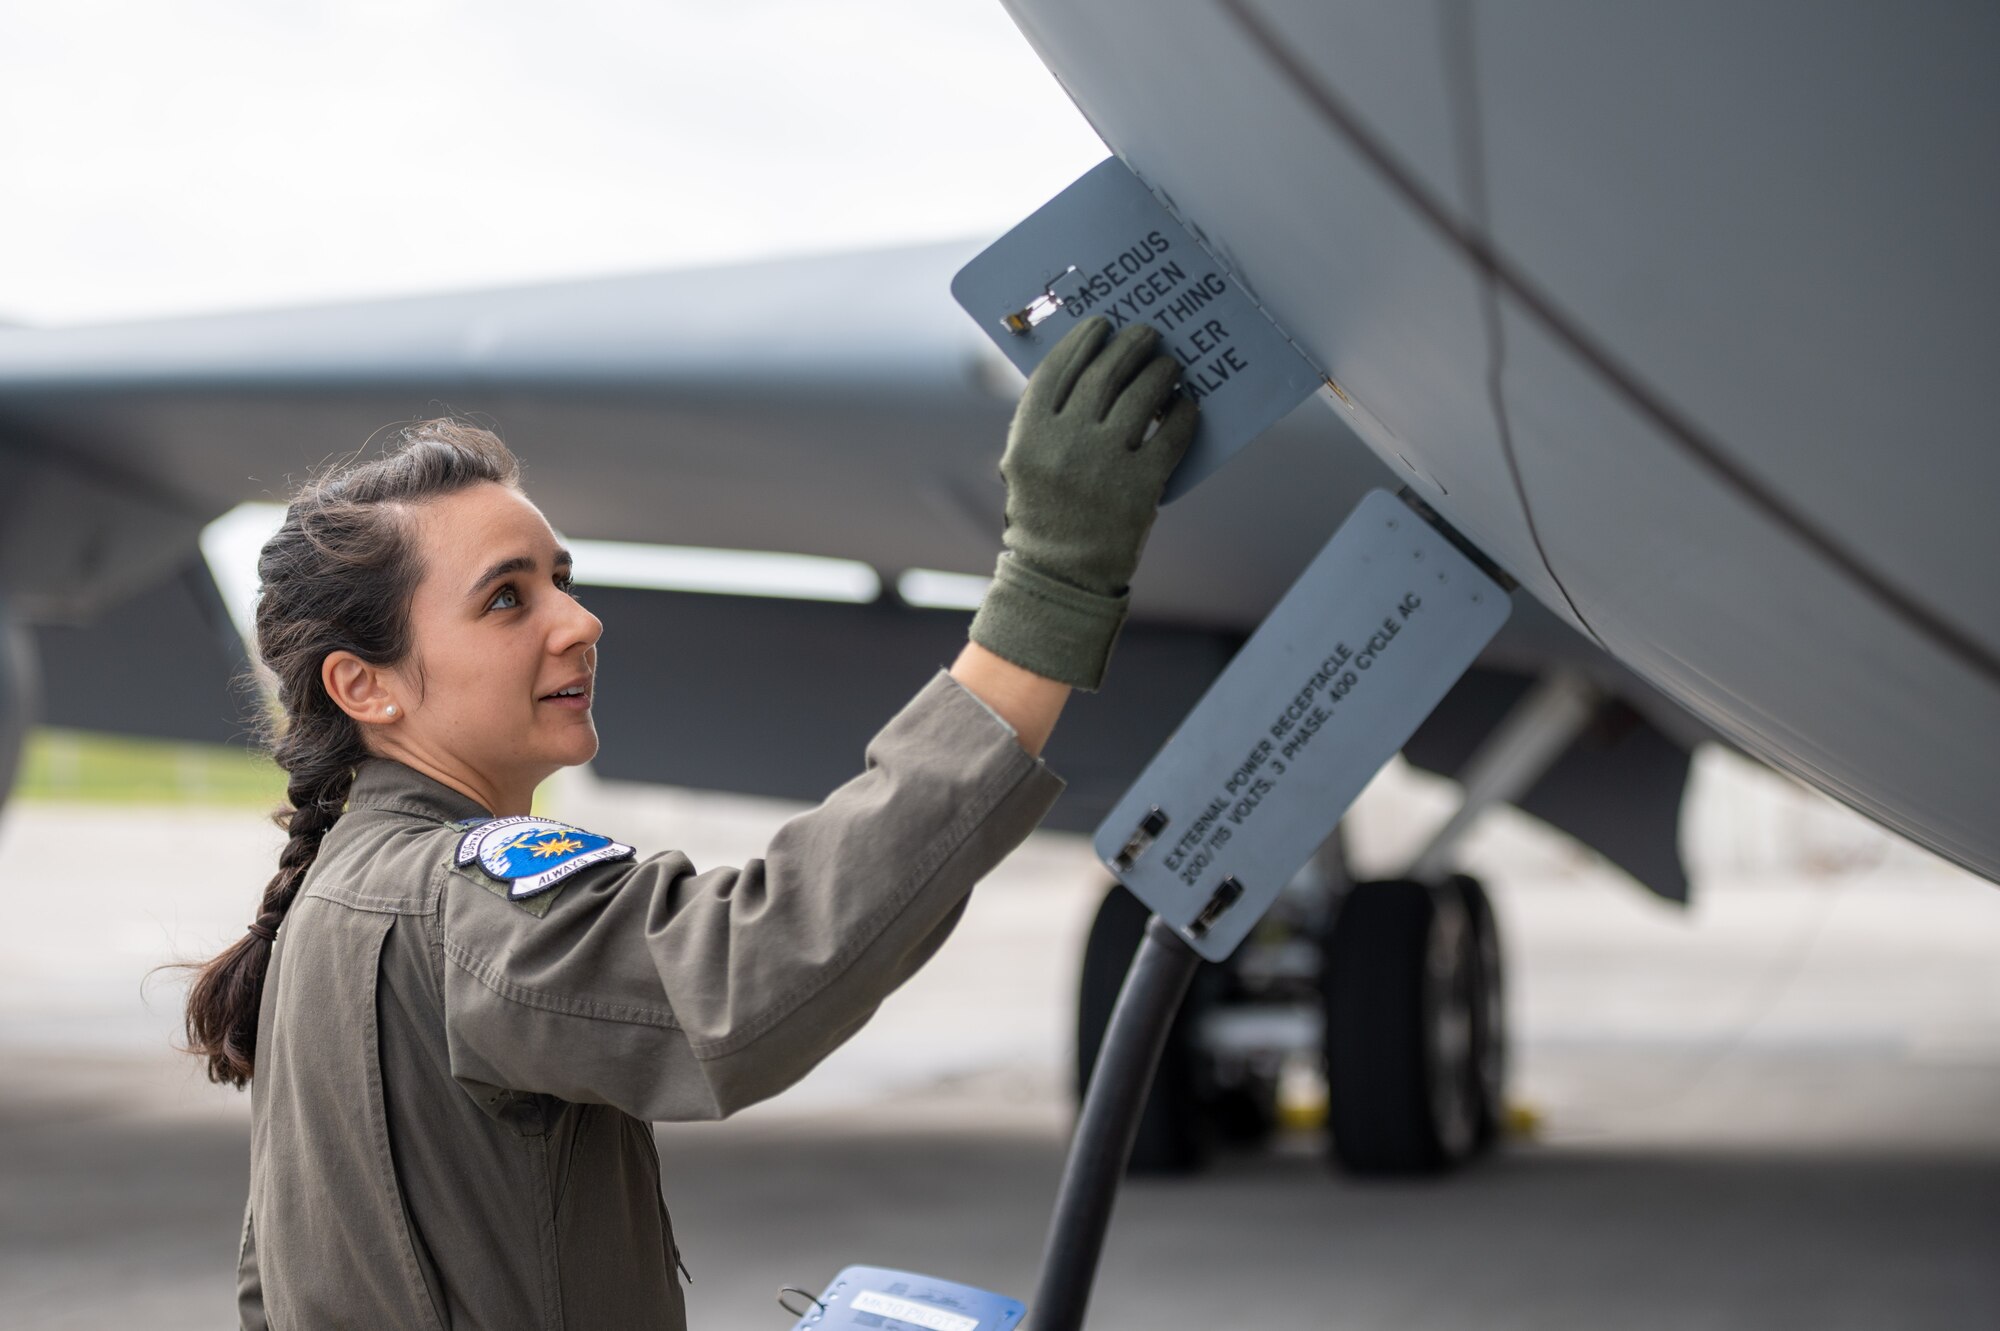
(359, 689)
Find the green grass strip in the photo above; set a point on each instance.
(83, 767)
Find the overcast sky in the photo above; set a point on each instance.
(217, 154)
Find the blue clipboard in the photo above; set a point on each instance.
(880, 1299)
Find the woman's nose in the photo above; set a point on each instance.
(578, 628)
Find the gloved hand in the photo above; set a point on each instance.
(1083, 487)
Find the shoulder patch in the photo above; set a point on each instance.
(530, 855)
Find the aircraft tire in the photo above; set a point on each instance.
(1489, 1025)
(1401, 984)
(1245, 1116)
(1172, 1137)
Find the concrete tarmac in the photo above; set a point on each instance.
(1781, 1109)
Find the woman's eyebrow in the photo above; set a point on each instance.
(518, 564)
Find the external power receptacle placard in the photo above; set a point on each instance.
(1343, 670)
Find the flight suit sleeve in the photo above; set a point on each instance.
(674, 994)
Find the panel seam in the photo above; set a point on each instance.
(1692, 440)
(1462, 92)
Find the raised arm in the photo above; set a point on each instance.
(675, 993)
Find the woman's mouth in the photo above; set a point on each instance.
(576, 697)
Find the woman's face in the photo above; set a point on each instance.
(497, 638)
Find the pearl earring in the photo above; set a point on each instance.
(392, 709)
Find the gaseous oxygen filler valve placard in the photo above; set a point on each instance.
(1340, 674)
(1106, 246)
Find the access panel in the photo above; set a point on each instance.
(1357, 653)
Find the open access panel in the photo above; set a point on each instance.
(1105, 246)
(1351, 660)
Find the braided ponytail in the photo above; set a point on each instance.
(338, 576)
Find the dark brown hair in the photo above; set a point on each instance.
(338, 577)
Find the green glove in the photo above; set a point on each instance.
(1083, 487)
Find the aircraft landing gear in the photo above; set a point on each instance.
(1196, 1101)
(1402, 992)
(1398, 983)
(1243, 1019)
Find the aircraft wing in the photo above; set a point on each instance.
(839, 405)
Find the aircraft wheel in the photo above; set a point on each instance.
(1171, 1136)
(1489, 1027)
(1402, 987)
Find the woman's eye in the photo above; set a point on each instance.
(505, 599)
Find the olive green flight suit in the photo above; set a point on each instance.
(450, 1103)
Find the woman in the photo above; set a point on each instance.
(456, 1019)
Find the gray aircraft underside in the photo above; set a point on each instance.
(840, 406)
(1737, 391)
(1683, 313)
